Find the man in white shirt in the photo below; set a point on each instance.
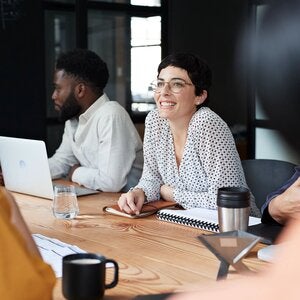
(100, 148)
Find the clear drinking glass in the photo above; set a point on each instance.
(65, 204)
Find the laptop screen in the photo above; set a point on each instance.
(26, 170)
(25, 167)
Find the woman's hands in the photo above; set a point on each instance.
(132, 201)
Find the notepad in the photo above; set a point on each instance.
(148, 209)
(202, 218)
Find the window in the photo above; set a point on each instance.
(135, 2)
(145, 57)
(126, 34)
(59, 37)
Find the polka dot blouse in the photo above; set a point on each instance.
(210, 161)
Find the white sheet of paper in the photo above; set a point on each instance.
(53, 250)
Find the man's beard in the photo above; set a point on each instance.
(70, 109)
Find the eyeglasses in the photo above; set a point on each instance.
(175, 85)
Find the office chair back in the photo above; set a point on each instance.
(264, 176)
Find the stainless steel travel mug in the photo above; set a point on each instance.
(233, 208)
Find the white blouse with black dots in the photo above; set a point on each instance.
(210, 161)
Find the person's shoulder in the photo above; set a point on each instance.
(206, 115)
(153, 119)
(207, 122)
(152, 115)
(113, 106)
(206, 112)
(112, 109)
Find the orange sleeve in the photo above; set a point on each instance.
(22, 275)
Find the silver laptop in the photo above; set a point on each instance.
(25, 168)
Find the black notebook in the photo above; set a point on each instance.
(268, 232)
(202, 218)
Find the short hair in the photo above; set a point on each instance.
(84, 65)
(197, 69)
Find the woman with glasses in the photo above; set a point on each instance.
(189, 151)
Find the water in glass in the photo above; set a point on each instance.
(65, 204)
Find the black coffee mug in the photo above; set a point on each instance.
(84, 276)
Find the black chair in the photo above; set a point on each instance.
(264, 176)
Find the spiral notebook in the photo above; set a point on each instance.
(203, 218)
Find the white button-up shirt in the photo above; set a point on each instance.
(104, 141)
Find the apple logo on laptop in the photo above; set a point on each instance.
(22, 164)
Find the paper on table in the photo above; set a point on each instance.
(53, 251)
(196, 217)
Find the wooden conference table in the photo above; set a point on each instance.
(153, 256)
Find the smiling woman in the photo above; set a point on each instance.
(189, 151)
(178, 100)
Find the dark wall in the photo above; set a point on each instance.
(211, 28)
(22, 110)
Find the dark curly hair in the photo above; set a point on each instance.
(84, 65)
(198, 71)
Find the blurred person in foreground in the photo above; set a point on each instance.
(101, 148)
(277, 72)
(189, 151)
(282, 204)
(279, 88)
(23, 274)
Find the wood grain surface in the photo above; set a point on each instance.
(153, 256)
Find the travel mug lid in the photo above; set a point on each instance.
(233, 197)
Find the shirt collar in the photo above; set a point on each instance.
(94, 107)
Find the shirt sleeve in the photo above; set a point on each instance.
(25, 269)
(117, 147)
(266, 217)
(151, 180)
(216, 149)
(63, 159)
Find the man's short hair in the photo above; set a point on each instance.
(85, 65)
